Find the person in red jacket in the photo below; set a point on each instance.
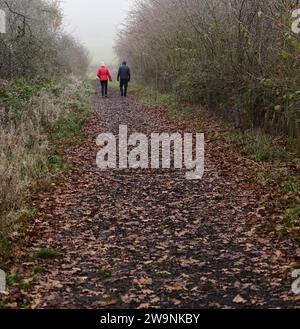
(104, 76)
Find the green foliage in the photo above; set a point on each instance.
(29, 212)
(38, 269)
(16, 97)
(6, 244)
(36, 118)
(104, 274)
(24, 285)
(261, 147)
(291, 187)
(207, 286)
(247, 68)
(293, 216)
(11, 279)
(68, 127)
(154, 98)
(47, 254)
(54, 160)
(267, 82)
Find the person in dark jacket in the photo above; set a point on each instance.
(124, 78)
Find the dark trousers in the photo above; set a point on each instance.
(104, 86)
(124, 87)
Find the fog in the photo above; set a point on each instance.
(95, 24)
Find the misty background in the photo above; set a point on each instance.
(95, 23)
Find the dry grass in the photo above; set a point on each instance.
(25, 146)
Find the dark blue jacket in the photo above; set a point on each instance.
(124, 73)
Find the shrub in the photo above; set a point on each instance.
(25, 141)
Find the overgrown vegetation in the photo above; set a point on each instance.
(30, 124)
(279, 165)
(47, 254)
(43, 102)
(35, 44)
(239, 57)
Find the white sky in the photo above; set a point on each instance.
(95, 24)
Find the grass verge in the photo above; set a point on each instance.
(277, 159)
(35, 129)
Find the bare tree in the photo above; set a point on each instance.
(34, 42)
(238, 55)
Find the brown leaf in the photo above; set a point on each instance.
(239, 300)
(144, 281)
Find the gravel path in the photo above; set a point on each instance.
(151, 238)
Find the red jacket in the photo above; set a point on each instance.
(104, 74)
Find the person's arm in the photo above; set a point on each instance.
(129, 74)
(119, 72)
(98, 74)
